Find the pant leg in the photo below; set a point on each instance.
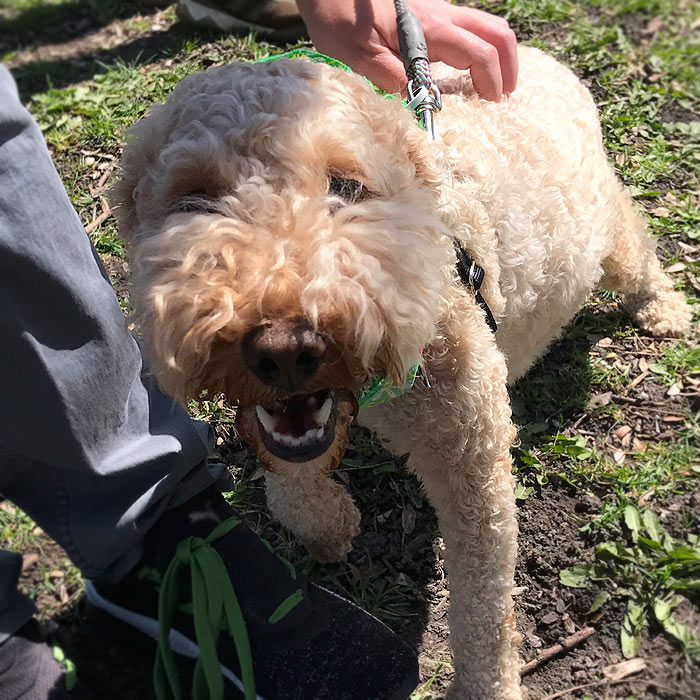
(89, 447)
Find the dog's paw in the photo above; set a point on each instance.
(665, 315)
(334, 541)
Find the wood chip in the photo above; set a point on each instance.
(672, 419)
(56, 573)
(673, 390)
(637, 380)
(616, 672)
(604, 342)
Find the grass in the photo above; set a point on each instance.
(641, 60)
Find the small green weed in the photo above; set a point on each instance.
(652, 574)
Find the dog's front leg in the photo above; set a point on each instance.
(318, 510)
(459, 434)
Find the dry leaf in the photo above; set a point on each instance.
(618, 457)
(620, 158)
(622, 431)
(672, 419)
(676, 267)
(673, 390)
(601, 399)
(604, 342)
(642, 500)
(569, 626)
(670, 197)
(638, 445)
(616, 672)
(28, 560)
(643, 365)
(56, 573)
(259, 473)
(408, 519)
(661, 211)
(219, 441)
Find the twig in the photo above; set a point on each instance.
(569, 643)
(574, 688)
(106, 213)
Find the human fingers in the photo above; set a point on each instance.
(464, 50)
(495, 31)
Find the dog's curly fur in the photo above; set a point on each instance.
(227, 198)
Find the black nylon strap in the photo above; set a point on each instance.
(473, 276)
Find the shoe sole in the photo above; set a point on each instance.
(184, 646)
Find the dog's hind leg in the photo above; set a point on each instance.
(459, 433)
(633, 269)
(318, 510)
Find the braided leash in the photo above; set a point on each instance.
(423, 95)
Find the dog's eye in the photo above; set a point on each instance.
(198, 203)
(347, 188)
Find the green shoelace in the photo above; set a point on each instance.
(214, 607)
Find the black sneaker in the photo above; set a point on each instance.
(29, 671)
(278, 20)
(305, 642)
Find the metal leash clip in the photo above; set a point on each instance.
(423, 94)
(424, 102)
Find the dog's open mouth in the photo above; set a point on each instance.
(302, 427)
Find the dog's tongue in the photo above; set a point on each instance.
(299, 414)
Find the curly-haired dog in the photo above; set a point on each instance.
(291, 236)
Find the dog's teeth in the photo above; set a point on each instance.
(323, 414)
(266, 420)
(319, 432)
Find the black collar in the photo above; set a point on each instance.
(472, 276)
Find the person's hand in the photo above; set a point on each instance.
(362, 34)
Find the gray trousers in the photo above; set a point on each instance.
(89, 446)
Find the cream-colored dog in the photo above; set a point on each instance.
(291, 237)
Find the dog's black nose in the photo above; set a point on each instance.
(284, 353)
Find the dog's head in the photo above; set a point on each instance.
(287, 244)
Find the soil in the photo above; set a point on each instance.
(399, 551)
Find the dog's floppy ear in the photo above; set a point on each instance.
(138, 158)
